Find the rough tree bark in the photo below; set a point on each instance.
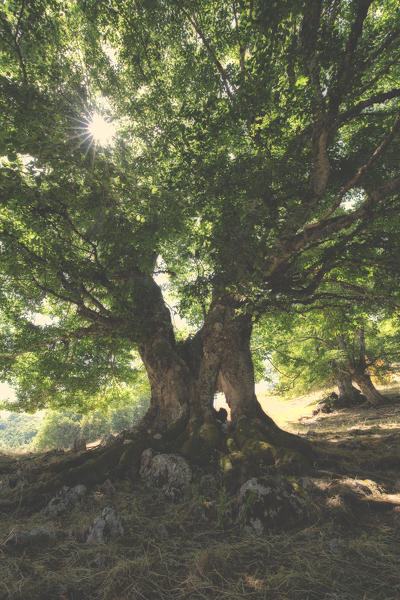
(254, 431)
(363, 380)
(348, 394)
(171, 382)
(184, 378)
(354, 365)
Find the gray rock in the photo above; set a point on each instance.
(266, 503)
(106, 526)
(34, 537)
(170, 472)
(306, 482)
(107, 488)
(65, 500)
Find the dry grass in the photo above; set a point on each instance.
(321, 562)
(349, 548)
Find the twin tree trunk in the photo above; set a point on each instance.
(349, 395)
(363, 380)
(184, 378)
(354, 368)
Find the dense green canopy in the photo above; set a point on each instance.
(255, 158)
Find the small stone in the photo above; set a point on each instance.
(305, 482)
(108, 525)
(267, 503)
(255, 526)
(107, 488)
(65, 500)
(157, 436)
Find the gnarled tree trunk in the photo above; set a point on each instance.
(363, 380)
(184, 378)
(348, 394)
(171, 381)
(254, 431)
(355, 365)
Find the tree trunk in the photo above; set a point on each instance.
(171, 381)
(254, 431)
(363, 380)
(172, 386)
(348, 394)
(183, 379)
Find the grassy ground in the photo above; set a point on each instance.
(348, 547)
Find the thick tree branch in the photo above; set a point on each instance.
(376, 99)
(363, 169)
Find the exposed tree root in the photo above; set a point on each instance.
(252, 447)
(91, 467)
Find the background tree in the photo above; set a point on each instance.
(246, 131)
(332, 347)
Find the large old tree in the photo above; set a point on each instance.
(255, 162)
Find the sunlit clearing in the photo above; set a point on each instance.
(100, 130)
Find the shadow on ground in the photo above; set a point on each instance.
(346, 548)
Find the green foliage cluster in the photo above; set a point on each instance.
(18, 431)
(59, 428)
(307, 349)
(256, 160)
